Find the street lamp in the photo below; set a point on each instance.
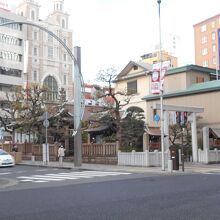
(161, 93)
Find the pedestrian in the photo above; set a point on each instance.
(14, 148)
(61, 154)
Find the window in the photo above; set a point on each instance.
(204, 39)
(63, 23)
(213, 24)
(50, 52)
(51, 84)
(213, 35)
(35, 35)
(203, 28)
(199, 79)
(64, 40)
(64, 79)
(64, 57)
(135, 67)
(204, 51)
(35, 51)
(205, 63)
(214, 60)
(35, 75)
(32, 15)
(132, 87)
(214, 48)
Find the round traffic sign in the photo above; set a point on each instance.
(46, 123)
(156, 118)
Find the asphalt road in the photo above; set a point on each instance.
(125, 196)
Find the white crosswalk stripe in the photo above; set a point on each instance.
(67, 176)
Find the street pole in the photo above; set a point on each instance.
(161, 93)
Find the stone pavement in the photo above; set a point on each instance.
(189, 167)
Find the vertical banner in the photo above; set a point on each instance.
(157, 80)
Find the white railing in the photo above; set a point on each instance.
(208, 156)
(141, 158)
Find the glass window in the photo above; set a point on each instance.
(50, 38)
(64, 79)
(205, 63)
(63, 23)
(50, 52)
(32, 15)
(213, 35)
(203, 28)
(35, 51)
(64, 56)
(204, 51)
(132, 87)
(213, 24)
(51, 84)
(35, 75)
(204, 39)
(213, 48)
(214, 60)
(35, 35)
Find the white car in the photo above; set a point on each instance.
(6, 160)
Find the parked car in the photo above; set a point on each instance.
(6, 160)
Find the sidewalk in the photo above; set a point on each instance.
(189, 167)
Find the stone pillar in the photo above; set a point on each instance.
(194, 139)
(166, 130)
(205, 138)
(145, 141)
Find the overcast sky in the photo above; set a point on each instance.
(113, 32)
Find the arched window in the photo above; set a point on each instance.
(52, 87)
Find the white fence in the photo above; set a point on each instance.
(142, 158)
(209, 156)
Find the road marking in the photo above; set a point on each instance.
(5, 173)
(67, 176)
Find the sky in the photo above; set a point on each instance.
(113, 32)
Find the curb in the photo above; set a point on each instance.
(6, 182)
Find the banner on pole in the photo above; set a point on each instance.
(157, 80)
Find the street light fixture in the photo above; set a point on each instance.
(161, 93)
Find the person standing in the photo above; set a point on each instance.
(61, 154)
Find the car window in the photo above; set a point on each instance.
(3, 152)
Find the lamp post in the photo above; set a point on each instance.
(161, 94)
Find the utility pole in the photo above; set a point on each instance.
(77, 109)
(161, 93)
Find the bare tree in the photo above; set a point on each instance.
(112, 101)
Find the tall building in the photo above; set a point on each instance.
(206, 42)
(49, 62)
(12, 39)
(154, 57)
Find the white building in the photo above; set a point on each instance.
(11, 53)
(49, 62)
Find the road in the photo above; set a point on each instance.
(114, 196)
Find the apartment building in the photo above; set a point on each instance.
(206, 42)
(12, 39)
(154, 57)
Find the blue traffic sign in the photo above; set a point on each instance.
(156, 118)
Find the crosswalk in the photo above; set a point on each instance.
(67, 176)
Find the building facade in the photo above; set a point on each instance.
(48, 62)
(206, 42)
(154, 57)
(12, 39)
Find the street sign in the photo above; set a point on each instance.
(46, 123)
(156, 118)
(46, 115)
